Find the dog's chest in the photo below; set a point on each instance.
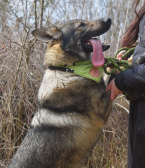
(53, 80)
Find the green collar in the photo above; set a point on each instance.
(84, 69)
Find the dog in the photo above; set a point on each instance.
(72, 110)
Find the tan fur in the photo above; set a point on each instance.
(56, 56)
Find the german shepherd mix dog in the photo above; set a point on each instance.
(72, 110)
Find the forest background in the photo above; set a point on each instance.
(21, 58)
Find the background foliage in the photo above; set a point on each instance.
(21, 58)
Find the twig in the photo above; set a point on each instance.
(11, 40)
(3, 165)
(35, 13)
(65, 17)
(14, 84)
(126, 16)
(122, 107)
(41, 15)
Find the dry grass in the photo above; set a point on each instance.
(21, 74)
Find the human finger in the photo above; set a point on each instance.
(119, 56)
(108, 87)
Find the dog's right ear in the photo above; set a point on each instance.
(46, 34)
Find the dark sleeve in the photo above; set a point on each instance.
(131, 79)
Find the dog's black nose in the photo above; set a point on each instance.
(107, 20)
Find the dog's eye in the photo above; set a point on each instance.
(82, 25)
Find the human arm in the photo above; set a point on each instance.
(129, 80)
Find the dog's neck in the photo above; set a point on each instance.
(55, 56)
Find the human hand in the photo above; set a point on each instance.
(120, 55)
(114, 90)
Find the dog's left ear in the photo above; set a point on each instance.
(46, 34)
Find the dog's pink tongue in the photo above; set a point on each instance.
(98, 59)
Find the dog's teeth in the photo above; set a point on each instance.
(88, 43)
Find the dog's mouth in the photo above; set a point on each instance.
(94, 45)
(88, 45)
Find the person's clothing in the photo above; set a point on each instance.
(141, 34)
(136, 134)
(132, 81)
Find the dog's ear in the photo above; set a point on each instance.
(46, 34)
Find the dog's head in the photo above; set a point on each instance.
(74, 36)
